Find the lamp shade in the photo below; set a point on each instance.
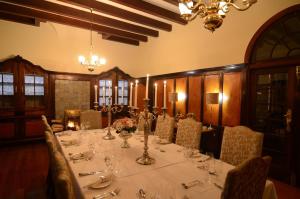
(212, 98)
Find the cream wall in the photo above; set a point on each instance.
(56, 47)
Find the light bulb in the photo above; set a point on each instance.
(81, 59)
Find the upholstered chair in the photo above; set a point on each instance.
(240, 143)
(63, 184)
(90, 119)
(47, 127)
(51, 142)
(141, 121)
(247, 180)
(165, 127)
(189, 133)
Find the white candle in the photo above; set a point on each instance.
(165, 94)
(147, 85)
(155, 95)
(116, 95)
(136, 92)
(109, 95)
(122, 91)
(96, 93)
(103, 92)
(130, 99)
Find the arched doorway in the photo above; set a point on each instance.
(273, 59)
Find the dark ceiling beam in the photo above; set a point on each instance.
(19, 10)
(82, 15)
(19, 19)
(152, 9)
(174, 2)
(120, 39)
(121, 13)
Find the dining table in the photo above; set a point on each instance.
(110, 171)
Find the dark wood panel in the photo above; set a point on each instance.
(7, 130)
(19, 19)
(195, 96)
(170, 88)
(141, 96)
(160, 95)
(34, 128)
(181, 84)
(211, 112)
(232, 88)
(121, 40)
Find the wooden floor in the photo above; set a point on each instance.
(24, 170)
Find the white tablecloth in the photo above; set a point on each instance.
(163, 178)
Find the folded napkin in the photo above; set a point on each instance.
(82, 155)
(70, 142)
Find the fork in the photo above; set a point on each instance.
(112, 193)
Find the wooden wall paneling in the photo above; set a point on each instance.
(211, 85)
(7, 130)
(232, 93)
(181, 84)
(34, 128)
(141, 96)
(160, 95)
(170, 88)
(194, 98)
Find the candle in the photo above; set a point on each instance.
(103, 92)
(136, 92)
(165, 94)
(96, 93)
(155, 95)
(122, 92)
(147, 85)
(116, 95)
(130, 99)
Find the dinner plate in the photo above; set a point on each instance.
(100, 184)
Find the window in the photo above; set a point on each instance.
(105, 91)
(6, 84)
(123, 92)
(34, 90)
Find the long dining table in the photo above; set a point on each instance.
(161, 180)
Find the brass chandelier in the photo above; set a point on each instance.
(212, 11)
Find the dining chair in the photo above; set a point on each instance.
(90, 119)
(141, 121)
(63, 185)
(247, 180)
(240, 143)
(46, 124)
(165, 127)
(189, 133)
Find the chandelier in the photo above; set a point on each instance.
(212, 11)
(93, 61)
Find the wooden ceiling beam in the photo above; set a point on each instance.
(152, 9)
(19, 19)
(174, 2)
(121, 13)
(120, 39)
(19, 10)
(82, 15)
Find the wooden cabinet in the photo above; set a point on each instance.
(272, 98)
(24, 95)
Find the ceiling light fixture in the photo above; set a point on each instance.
(213, 11)
(93, 61)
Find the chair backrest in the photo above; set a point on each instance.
(165, 127)
(188, 133)
(239, 144)
(141, 121)
(62, 178)
(47, 127)
(247, 180)
(90, 119)
(51, 143)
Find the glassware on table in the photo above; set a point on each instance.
(125, 135)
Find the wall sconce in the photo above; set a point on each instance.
(181, 96)
(173, 97)
(223, 97)
(211, 99)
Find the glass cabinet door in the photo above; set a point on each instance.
(34, 91)
(7, 90)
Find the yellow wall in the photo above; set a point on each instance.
(56, 47)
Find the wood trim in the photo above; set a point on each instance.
(173, 2)
(121, 13)
(19, 10)
(121, 40)
(265, 27)
(152, 9)
(19, 19)
(85, 16)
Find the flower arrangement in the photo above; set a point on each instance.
(125, 124)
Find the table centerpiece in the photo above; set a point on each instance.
(125, 127)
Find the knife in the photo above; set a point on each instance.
(89, 173)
